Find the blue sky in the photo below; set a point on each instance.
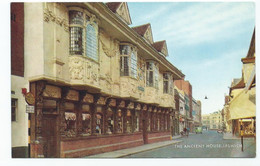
(205, 40)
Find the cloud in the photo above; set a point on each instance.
(206, 22)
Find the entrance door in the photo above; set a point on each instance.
(145, 135)
(49, 134)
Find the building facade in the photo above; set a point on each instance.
(240, 110)
(212, 121)
(96, 84)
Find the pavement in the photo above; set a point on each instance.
(134, 150)
(231, 136)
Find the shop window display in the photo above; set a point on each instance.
(86, 123)
(70, 119)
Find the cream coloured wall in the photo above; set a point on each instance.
(50, 59)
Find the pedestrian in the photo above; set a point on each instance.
(188, 130)
(185, 131)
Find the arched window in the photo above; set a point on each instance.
(91, 41)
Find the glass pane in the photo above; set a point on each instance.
(76, 46)
(124, 50)
(133, 65)
(91, 45)
(76, 17)
(86, 123)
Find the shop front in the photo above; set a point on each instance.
(73, 123)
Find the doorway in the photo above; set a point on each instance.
(49, 134)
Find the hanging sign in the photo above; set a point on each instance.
(30, 109)
(29, 98)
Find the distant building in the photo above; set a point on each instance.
(212, 121)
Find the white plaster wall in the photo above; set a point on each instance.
(20, 126)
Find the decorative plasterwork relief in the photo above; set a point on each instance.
(76, 68)
(107, 81)
(49, 15)
(92, 72)
(138, 107)
(111, 49)
(73, 95)
(88, 98)
(130, 105)
(112, 102)
(52, 91)
(122, 104)
(101, 100)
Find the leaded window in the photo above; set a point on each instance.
(152, 74)
(91, 42)
(167, 83)
(76, 32)
(128, 61)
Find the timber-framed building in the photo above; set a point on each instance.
(99, 85)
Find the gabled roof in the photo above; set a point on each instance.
(238, 84)
(161, 46)
(145, 31)
(113, 6)
(141, 29)
(121, 9)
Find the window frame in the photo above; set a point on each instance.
(127, 59)
(15, 107)
(88, 19)
(152, 68)
(169, 81)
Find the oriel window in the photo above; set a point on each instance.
(128, 60)
(152, 74)
(76, 32)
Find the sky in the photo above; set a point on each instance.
(205, 40)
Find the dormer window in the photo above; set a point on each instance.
(128, 60)
(152, 74)
(167, 83)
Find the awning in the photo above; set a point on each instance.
(243, 105)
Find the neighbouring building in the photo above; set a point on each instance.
(241, 107)
(180, 106)
(187, 88)
(212, 121)
(196, 112)
(92, 84)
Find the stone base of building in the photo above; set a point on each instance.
(20, 152)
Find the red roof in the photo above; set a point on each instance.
(113, 6)
(141, 29)
(159, 45)
(239, 85)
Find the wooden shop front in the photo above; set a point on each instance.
(75, 123)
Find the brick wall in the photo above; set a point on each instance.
(159, 136)
(99, 144)
(17, 39)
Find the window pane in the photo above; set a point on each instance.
(76, 40)
(76, 17)
(133, 65)
(91, 44)
(124, 71)
(13, 109)
(124, 50)
(86, 123)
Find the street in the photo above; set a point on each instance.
(209, 144)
